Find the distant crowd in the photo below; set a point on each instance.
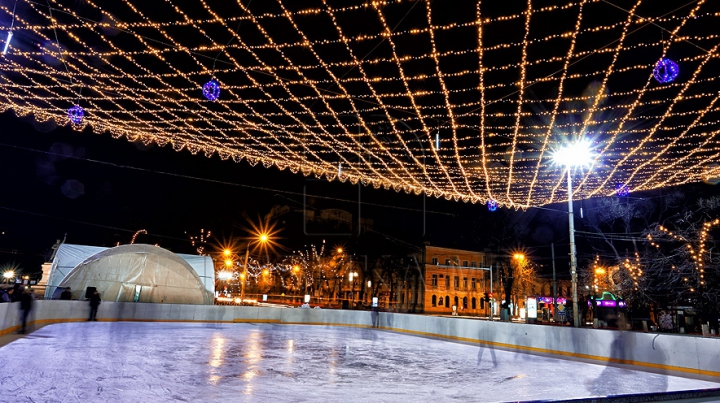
(14, 293)
(18, 293)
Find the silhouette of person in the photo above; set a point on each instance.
(66, 294)
(7, 295)
(26, 303)
(94, 303)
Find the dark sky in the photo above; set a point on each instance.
(100, 190)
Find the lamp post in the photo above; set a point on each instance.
(261, 238)
(570, 156)
(243, 276)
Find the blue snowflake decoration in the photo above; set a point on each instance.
(76, 114)
(492, 205)
(622, 189)
(666, 70)
(211, 90)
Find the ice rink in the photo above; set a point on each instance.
(164, 362)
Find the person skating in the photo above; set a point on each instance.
(26, 303)
(94, 303)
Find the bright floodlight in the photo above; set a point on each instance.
(9, 274)
(224, 275)
(574, 154)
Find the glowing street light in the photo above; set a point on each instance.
(228, 262)
(339, 250)
(227, 252)
(519, 256)
(263, 238)
(570, 156)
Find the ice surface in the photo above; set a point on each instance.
(163, 362)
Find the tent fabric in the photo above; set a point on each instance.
(141, 273)
(66, 258)
(69, 255)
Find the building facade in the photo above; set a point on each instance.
(454, 277)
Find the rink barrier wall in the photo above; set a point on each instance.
(692, 356)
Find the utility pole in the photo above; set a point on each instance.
(244, 275)
(573, 252)
(552, 249)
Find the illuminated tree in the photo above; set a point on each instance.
(683, 260)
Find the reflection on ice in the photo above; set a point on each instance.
(97, 361)
(216, 359)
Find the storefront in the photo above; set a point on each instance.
(541, 309)
(607, 309)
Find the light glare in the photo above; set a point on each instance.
(575, 154)
(7, 42)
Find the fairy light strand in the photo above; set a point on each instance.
(296, 95)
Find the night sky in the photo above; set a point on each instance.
(99, 191)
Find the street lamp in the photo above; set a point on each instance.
(262, 238)
(570, 156)
(8, 275)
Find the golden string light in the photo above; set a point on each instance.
(310, 89)
(697, 254)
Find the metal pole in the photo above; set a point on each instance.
(244, 276)
(491, 291)
(552, 249)
(573, 252)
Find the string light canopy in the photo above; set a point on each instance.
(461, 100)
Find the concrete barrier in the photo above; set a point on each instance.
(692, 356)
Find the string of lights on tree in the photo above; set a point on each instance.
(697, 254)
(461, 101)
(304, 269)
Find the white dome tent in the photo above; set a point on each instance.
(141, 273)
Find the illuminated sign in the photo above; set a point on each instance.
(531, 308)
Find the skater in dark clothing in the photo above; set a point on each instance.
(66, 294)
(94, 303)
(26, 303)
